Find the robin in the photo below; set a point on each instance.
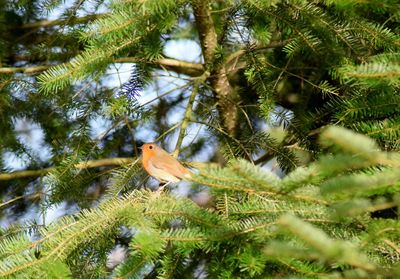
(162, 166)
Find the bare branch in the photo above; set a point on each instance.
(109, 162)
(175, 65)
(82, 165)
(26, 70)
(68, 21)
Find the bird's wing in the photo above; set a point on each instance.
(172, 166)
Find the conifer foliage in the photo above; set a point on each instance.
(315, 221)
(310, 87)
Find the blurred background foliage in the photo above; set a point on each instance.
(267, 99)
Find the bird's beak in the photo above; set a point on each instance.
(140, 147)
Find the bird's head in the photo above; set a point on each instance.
(150, 149)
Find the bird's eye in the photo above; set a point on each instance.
(150, 147)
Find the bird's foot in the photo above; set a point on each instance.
(161, 188)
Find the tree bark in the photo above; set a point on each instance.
(226, 96)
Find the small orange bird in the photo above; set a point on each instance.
(161, 165)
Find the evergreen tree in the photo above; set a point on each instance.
(310, 85)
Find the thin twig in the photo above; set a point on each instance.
(244, 51)
(248, 155)
(31, 196)
(167, 132)
(392, 245)
(164, 94)
(186, 118)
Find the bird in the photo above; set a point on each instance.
(159, 164)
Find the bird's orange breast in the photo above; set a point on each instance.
(146, 156)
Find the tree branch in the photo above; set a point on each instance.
(26, 70)
(82, 165)
(186, 118)
(69, 21)
(177, 66)
(109, 162)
